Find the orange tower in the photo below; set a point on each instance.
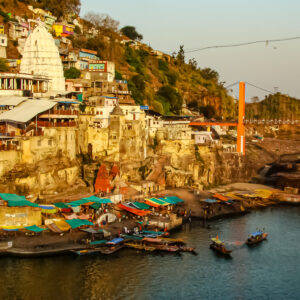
(241, 139)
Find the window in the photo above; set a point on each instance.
(49, 142)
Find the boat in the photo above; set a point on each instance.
(112, 246)
(219, 247)
(85, 251)
(256, 237)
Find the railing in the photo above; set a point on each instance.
(8, 147)
(64, 112)
(57, 124)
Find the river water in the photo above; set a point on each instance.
(270, 270)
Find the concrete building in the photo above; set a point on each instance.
(3, 45)
(41, 58)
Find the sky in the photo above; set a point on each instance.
(167, 24)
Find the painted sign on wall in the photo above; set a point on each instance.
(98, 66)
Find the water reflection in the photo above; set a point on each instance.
(270, 270)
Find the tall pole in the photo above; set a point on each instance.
(241, 140)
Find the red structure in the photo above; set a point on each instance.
(102, 183)
(241, 139)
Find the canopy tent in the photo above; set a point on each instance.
(48, 209)
(96, 206)
(157, 201)
(152, 204)
(90, 200)
(220, 197)
(133, 237)
(20, 203)
(141, 205)
(210, 200)
(137, 212)
(61, 205)
(115, 241)
(75, 223)
(62, 225)
(157, 233)
(8, 197)
(35, 228)
(172, 199)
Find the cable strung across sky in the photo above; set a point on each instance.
(244, 44)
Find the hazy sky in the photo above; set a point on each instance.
(166, 24)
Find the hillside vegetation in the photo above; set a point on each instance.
(274, 107)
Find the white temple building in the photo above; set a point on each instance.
(41, 58)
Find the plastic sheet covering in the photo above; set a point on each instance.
(173, 199)
(77, 223)
(141, 205)
(61, 205)
(98, 242)
(35, 228)
(8, 197)
(62, 225)
(115, 241)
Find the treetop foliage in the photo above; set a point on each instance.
(131, 33)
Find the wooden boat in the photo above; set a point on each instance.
(139, 246)
(85, 251)
(256, 237)
(219, 247)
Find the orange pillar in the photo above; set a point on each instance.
(241, 127)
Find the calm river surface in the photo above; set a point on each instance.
(270, 270)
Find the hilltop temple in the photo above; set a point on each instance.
(41, 58)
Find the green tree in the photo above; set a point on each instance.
(137, 87)
(3, 65)
(72, 73)
(130, 31)
(210, 74)
(181, 55)
(170, 98)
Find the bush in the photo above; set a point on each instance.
(170, 99)
(3, 65)
(163, 65)
(72, 73)
(118, 75)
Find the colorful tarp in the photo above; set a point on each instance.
(98, 242)
(8, 197)
(137, 212)
(140, 205)
(20, 203)
(75, 223)
(220, 197)
(156, 201)
(172, 199)
(48, 209)
(61, 205)
(115, 241)
(35, 228)
(92, 199)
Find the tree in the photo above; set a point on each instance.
(210, 74)
(3, 65)
(60, 7)
(181, 55)
(208, 111)
(193, 63)
(72, 73)
(131, 32)
(102, 22)
(170, 98)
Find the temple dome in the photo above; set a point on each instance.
(41, 57)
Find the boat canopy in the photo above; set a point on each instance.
(220, 197)
(92, 230)
(257, 233)
(90, 200)
(217, 241)
(35, 228)
(115, 241)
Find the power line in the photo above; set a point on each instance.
(262, 89)
(244, 44)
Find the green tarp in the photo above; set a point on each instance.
(97, 200)
(158, 201)
(96, 206)
(20, 203)
(173, 199)
(75, 223)
(141, 205)
(35, 228)
(61, 205)
(89, 199)
(98, 242)
(7, 197)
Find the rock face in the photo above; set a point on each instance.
(41, 57)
